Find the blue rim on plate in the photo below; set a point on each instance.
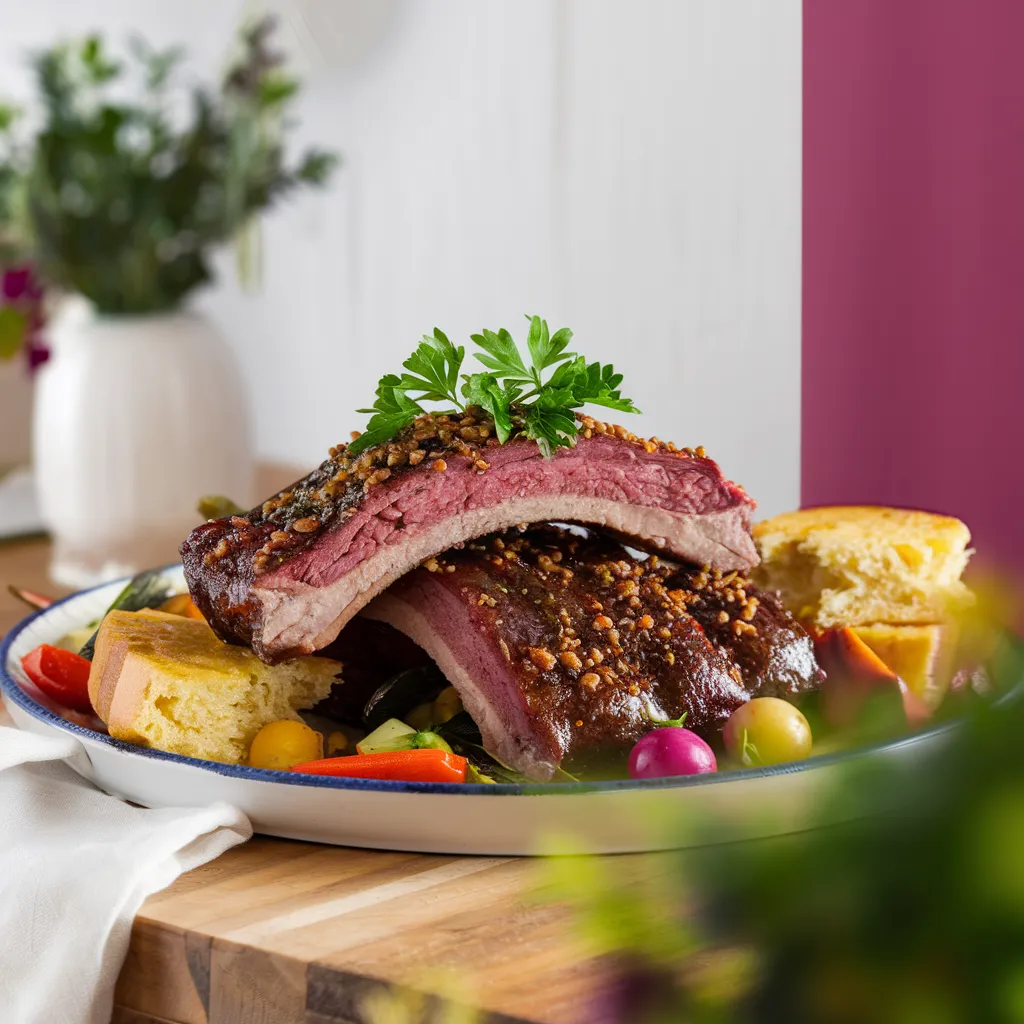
(12, 690)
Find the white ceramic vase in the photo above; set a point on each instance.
(136, 418)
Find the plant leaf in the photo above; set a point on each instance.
(13, 328)
(547, 349)
(513, 389)
(391, 398)
(516, 397)
(484, 390)
(502, 355)
(603, 388)
(381, 427)
(437, 362)
(315, 167)
(550, 423)
(749, 755)
(570, 376)
(591, 383)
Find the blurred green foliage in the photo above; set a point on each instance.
(911, 913)
(124, 197)
(12, 167)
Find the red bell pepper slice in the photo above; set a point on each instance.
(61, 675)
(425, 765)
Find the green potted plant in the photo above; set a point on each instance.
(124, 201)
(22, 319)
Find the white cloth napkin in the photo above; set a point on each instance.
(75, 866)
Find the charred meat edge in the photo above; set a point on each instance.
(299, 604)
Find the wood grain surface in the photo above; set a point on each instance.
(279, 931)
(282, 932)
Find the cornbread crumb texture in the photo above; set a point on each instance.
(860, 565)
(167, 682)
(922, 656)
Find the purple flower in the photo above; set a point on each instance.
(16, 284)
(36, 353)
(21, 290)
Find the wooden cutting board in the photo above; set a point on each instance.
(276, 932)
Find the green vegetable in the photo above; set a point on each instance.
(460, 728)
(489, 768)
(76, 639)
(216, 506)
(148, 589)
(463, 734)
(424, 740)
(474, 775)
(394, 735)
(386, 732)
(537, 401)
(749, 755)
(404, 691)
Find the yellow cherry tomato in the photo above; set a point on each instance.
(447, 705)
(421, 717)
(767, 730)
(337, 743)
(283, 744)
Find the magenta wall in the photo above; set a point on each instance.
(913, 256)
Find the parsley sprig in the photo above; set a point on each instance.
(537, 401)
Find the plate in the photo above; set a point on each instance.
(502, 820)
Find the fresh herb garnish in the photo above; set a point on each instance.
(674, 723)
(216, 506)
(749, 756)
(663, 723)
(537, 401)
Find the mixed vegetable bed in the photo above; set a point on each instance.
(413, 727)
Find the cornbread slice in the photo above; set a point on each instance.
(922, 656)
(168, 682)
(858, 565)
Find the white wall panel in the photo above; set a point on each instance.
(440, 215)
(630, 168)
(682, 224)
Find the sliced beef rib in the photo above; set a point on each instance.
(288, 575)
(567, 646)
(772, 650)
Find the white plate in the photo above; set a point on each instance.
(506, 820)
